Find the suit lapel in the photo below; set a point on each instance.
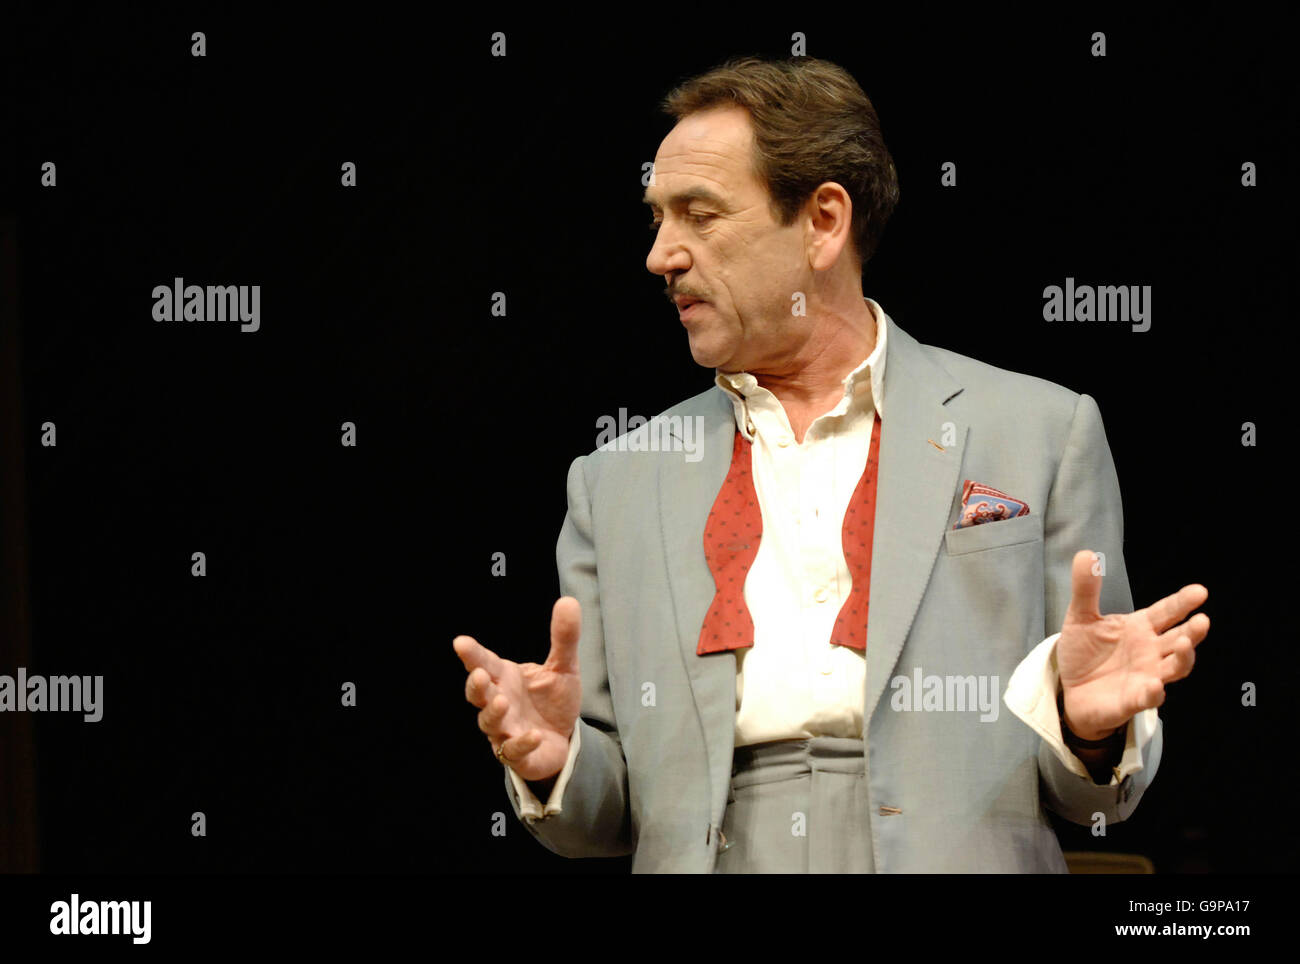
(914, 494)
(687, 491)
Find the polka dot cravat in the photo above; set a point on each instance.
(731, 539)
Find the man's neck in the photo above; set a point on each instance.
(818, 384)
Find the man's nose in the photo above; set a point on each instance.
(666, 255)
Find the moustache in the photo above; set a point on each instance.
(672, 294)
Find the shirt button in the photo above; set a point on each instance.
(820, 595)
(784, 441)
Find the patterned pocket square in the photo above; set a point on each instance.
(982, 503)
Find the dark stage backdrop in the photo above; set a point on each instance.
(1166, 162)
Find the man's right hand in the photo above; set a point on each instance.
(529, 711)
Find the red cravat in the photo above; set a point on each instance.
(731, 539)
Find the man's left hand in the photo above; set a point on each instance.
(1112, 667)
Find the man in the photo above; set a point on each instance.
(868, 513)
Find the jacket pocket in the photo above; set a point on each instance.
(994, 535)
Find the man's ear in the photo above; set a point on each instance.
(830, 226)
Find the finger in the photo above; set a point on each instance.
(1085, 588)
(1179, 663)
(472, 654)
(1195, 629)
(516, 748)
(1152, 693)
(489, 721)
(566, 628)
(479, 687)
(1174, 608)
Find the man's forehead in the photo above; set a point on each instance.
(707, 156)
(722, 124)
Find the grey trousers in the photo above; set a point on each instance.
(797, 807)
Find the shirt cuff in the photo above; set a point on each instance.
(1031, 695)
(530, 808)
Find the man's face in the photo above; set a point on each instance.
(717, 241)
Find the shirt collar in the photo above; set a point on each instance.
(865, 384)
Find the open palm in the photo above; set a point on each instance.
(1114, 666)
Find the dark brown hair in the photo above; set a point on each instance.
(812, 123)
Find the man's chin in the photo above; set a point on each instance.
(708, 356)
(706, 360)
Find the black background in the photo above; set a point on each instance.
(522, 175)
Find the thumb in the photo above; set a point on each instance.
(566, 627)
(1085, 586)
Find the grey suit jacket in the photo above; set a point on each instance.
(958, 795)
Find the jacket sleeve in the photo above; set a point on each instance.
(594, 817)
(1084, 511)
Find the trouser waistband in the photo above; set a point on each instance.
(787, 759)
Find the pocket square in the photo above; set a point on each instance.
(982, 503)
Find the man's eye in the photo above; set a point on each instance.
(693, 218)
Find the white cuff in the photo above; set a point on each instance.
(1031, 695)
(530, 808)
